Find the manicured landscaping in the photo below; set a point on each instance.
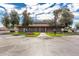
(27, 34)
(61, 34)
(71, 33)
(18, 33)
(53, 34)
(32, 34)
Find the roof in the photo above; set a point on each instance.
(42, 25)
(39, 25)
(3, 29)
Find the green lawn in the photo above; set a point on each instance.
(33, 34)
(62, 34)
(18, 33)
(57, 34)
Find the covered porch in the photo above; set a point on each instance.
(39, 28)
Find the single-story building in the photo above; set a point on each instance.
(39, 28)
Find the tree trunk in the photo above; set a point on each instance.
(55, 24)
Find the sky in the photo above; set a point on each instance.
(39, 10)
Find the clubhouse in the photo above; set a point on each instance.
(39, 28)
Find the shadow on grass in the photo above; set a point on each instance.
(72, 33)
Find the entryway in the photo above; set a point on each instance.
(43, 34)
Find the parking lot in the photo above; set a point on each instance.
(39, 46)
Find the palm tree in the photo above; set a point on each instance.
(26, 20)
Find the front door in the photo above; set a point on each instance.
(42, 29)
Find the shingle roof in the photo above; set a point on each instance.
(40, 25)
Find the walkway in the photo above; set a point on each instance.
(43, 35)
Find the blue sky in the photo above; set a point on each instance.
(40, 10)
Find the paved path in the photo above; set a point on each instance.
(43, 35)
(39, 46)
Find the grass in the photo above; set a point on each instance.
(62, 34)
(18, 33)
(72, 33)
(57, 34)
(34, 34)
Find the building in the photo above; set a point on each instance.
(3, 29)
(39, 28)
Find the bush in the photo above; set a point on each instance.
(12, 31)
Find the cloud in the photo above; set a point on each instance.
(21, 10)
(39, 1)
(30, 2)
(45, 6)
(10, 7)
(7, 7)
(75, 6)
(48, 10)
(44, 17)
(76, 13)
(43, 11)
(40, 9)
(2, 13)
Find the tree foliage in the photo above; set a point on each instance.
(62, 17)
(66, 18)
(77, 25)
(6, 21)
(25, 18)
(11, 20)
(14, 18)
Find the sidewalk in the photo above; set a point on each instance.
(43, 35)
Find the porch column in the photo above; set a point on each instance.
(29, 29)
(39, 29)
(45, 29)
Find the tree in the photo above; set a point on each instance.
(26, 20)
(77, 25)
(51, 22)
(6, 21)
(66, 18)
(62, 17)
(14, 19)
(56, 14)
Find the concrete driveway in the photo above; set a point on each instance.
(39, 46)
